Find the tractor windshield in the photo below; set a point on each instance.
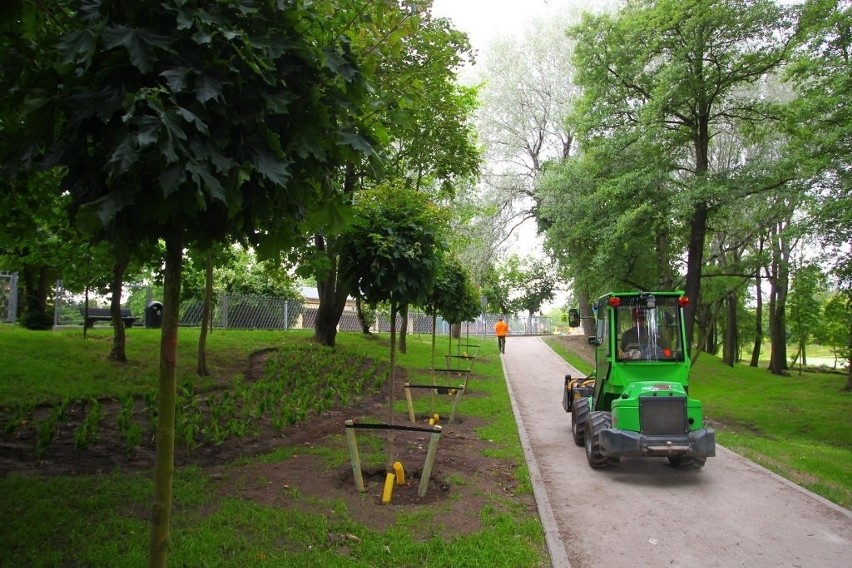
(648, 330)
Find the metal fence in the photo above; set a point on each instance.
(8, 296)
(268, 312)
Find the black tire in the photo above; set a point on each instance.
(687, 462)
(595, 422)
(579, 414)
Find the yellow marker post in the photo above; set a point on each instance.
(400, 473)
(388, 491)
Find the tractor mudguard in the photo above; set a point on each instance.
(624, 443)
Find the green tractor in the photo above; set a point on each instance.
(637, 404)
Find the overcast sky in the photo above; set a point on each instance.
(485, 19)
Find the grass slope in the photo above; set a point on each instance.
(102, 520)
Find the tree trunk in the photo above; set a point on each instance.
(455, 331)
(35, 297)
(587, 319)
(796, 356)
(362, 319)
(332, 299)
(777, 344)
(729, 350)
(694, 264)
(777, 304)
(758, 326)
(712, 337)
(403, 329)
(166, 395)
(848, 386)
(392, 388)
(705, 324)
(119, 337)
(206, 315)
(434, 343)
(85, 311)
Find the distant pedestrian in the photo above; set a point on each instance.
(501, 328)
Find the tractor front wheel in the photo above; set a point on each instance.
(579, 414)
(596, 422)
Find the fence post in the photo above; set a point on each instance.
(13, 299)
(286, 315)
(57, 303)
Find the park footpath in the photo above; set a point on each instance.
(643, 512)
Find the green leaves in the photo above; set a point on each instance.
(356, 142)
(391, 253)
(453, 295)
(77, 47)
(272, 168)
(187, 107)
(141, 44)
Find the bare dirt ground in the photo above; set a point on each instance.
(461, 478)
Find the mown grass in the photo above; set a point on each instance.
(797, 426)
(47, 367)
(102, 520)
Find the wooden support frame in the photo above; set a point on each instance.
(459, 391)
(435, 431)
(465, 361)
(470, 348)
(465, 373)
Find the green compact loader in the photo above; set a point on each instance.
(637, 404)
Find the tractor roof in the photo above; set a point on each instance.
(675, 293)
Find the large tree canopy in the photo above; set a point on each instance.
(822, 129)
(822, 120)
(667, 76)
(391, 252)
(190, 121)
(422, 116)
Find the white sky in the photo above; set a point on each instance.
(486, 20)
(483, 20)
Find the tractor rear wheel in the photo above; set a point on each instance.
(579, 414)
(595, 423)
(682, 462)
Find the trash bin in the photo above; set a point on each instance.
(154, 315)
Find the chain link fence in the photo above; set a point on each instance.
(8, 296)
(232, 311)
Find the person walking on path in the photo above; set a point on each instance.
(501, 328)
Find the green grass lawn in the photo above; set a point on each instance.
(102, 520)
(797, 426)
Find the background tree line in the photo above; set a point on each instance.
(701, 145)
